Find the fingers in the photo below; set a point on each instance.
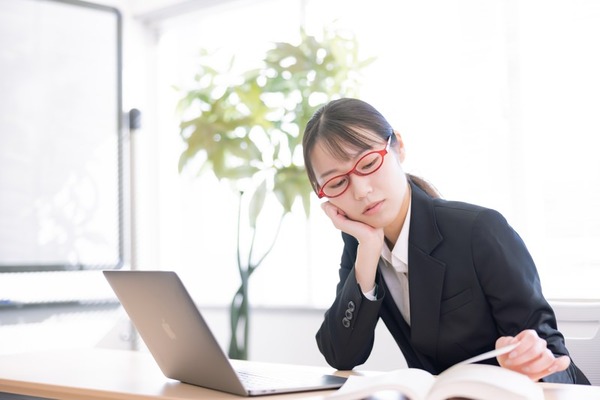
(331, 210)
(504, 341)
(363, 232)
(531, 357)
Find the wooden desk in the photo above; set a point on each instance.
(116, 374)
(103, 374)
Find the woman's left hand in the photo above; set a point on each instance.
(531, 357)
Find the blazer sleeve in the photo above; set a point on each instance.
(347, 333)
(513, 287)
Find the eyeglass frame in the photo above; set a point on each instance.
(382, 152)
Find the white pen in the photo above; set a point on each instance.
(490, 354)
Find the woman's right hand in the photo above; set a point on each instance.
(361, 231)
(370, 243)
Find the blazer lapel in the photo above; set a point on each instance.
(426, 273)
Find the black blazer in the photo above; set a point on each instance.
(471, 281)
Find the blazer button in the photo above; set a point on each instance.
(346, 322)
(349, 314)
(351, 305)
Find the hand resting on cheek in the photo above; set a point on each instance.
(360, 230)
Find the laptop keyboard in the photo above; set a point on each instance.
(254, 381)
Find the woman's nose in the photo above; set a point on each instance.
(361, 186)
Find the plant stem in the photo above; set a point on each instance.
(239, 309)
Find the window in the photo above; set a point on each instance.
(497, 103)
(61, 207)
(60, 150)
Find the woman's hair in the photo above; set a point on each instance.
(340, 124)
(344, 123)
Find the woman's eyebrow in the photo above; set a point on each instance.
(355, 157)
(330, 172)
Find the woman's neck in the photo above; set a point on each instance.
(392, 231)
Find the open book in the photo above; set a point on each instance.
(463, 380)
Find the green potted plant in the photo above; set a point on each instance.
(247, 130)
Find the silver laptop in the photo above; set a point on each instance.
(185, 349)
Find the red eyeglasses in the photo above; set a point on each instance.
(366, 165)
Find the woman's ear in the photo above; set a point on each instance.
(399, 146)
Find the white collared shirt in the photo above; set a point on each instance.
(394, 268)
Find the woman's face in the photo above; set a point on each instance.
(374, 199)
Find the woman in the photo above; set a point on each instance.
(450, 280)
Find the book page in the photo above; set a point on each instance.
(411, 382)
(482, 381)
(465, 379)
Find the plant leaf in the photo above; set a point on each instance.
(256, 203)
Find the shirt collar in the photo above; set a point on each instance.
(398, 256)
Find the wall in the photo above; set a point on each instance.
(282, 335)
(285, 335)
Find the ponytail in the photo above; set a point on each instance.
(424, 185)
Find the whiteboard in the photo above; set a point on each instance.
(60, 129)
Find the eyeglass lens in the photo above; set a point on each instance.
(368, 164)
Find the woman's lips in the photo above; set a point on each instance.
(372, 208)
